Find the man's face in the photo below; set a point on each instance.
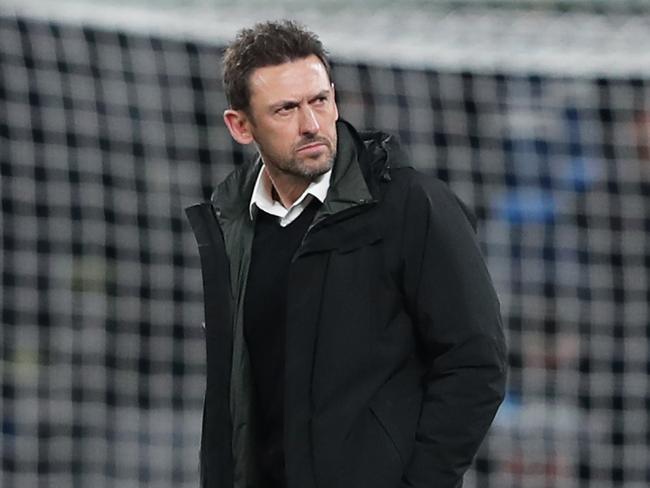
(292, 117)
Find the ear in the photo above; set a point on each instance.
(238, 126)
(336, 108)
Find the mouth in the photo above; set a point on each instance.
(312, 147)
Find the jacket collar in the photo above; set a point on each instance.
(347, 185)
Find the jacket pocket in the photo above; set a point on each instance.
(389, 437)
(364, 236)
(366, 456)
(397, 406)
(387, 434)
(345, 236)
(374, 448)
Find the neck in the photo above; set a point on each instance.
(286, 188)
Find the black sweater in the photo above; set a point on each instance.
(264, 329)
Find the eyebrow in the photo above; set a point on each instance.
(293, 103)
(321, 93)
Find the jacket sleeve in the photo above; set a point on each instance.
(454, 307)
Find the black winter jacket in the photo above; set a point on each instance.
(395, 356)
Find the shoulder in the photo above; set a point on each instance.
(234, 192)
(426, 194)
(391, 177)
(419, 188)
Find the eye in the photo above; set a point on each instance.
(285, 109)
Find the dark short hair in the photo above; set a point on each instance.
(266, 44)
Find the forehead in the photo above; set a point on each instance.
(288, 81)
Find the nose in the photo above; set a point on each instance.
(308, 121)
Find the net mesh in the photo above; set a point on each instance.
(107, 134)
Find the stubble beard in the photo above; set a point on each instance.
(300, 167)
(297, 167)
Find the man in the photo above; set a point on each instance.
(353, 334)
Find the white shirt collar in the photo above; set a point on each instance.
(262, 197)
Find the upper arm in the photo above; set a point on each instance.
(447, 286)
